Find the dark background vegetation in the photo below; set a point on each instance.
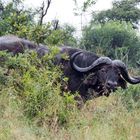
(31, 106)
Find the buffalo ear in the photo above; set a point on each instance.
(122, 83)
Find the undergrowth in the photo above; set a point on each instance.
(32, 106)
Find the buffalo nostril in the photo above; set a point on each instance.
(111, 85)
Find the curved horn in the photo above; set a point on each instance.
(94, 66)
(124, 72)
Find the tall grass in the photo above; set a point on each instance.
(32, 107)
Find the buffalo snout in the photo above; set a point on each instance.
(111, 85)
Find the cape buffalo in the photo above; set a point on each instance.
(17, 45)
(102, 75)
(87, 73)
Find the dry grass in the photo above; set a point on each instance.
(101, 119)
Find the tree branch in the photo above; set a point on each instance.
(43, 11)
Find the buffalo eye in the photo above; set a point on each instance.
(103, 70)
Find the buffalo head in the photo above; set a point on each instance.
(104, 75)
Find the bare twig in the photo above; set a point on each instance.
(55, 24)
(43, 11)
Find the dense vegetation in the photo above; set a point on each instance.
(32, 107)
(114, 32)
(31, 101)
(114, 39)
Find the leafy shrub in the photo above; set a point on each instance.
(37, 84)
(115, 39)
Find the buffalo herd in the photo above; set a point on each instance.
(89, 74)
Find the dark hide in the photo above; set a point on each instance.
(42, 50)
(15, 45)
(78, 81)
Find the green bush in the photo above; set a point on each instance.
(117, 40)
(37, 84)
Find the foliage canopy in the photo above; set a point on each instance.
(124, 10)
